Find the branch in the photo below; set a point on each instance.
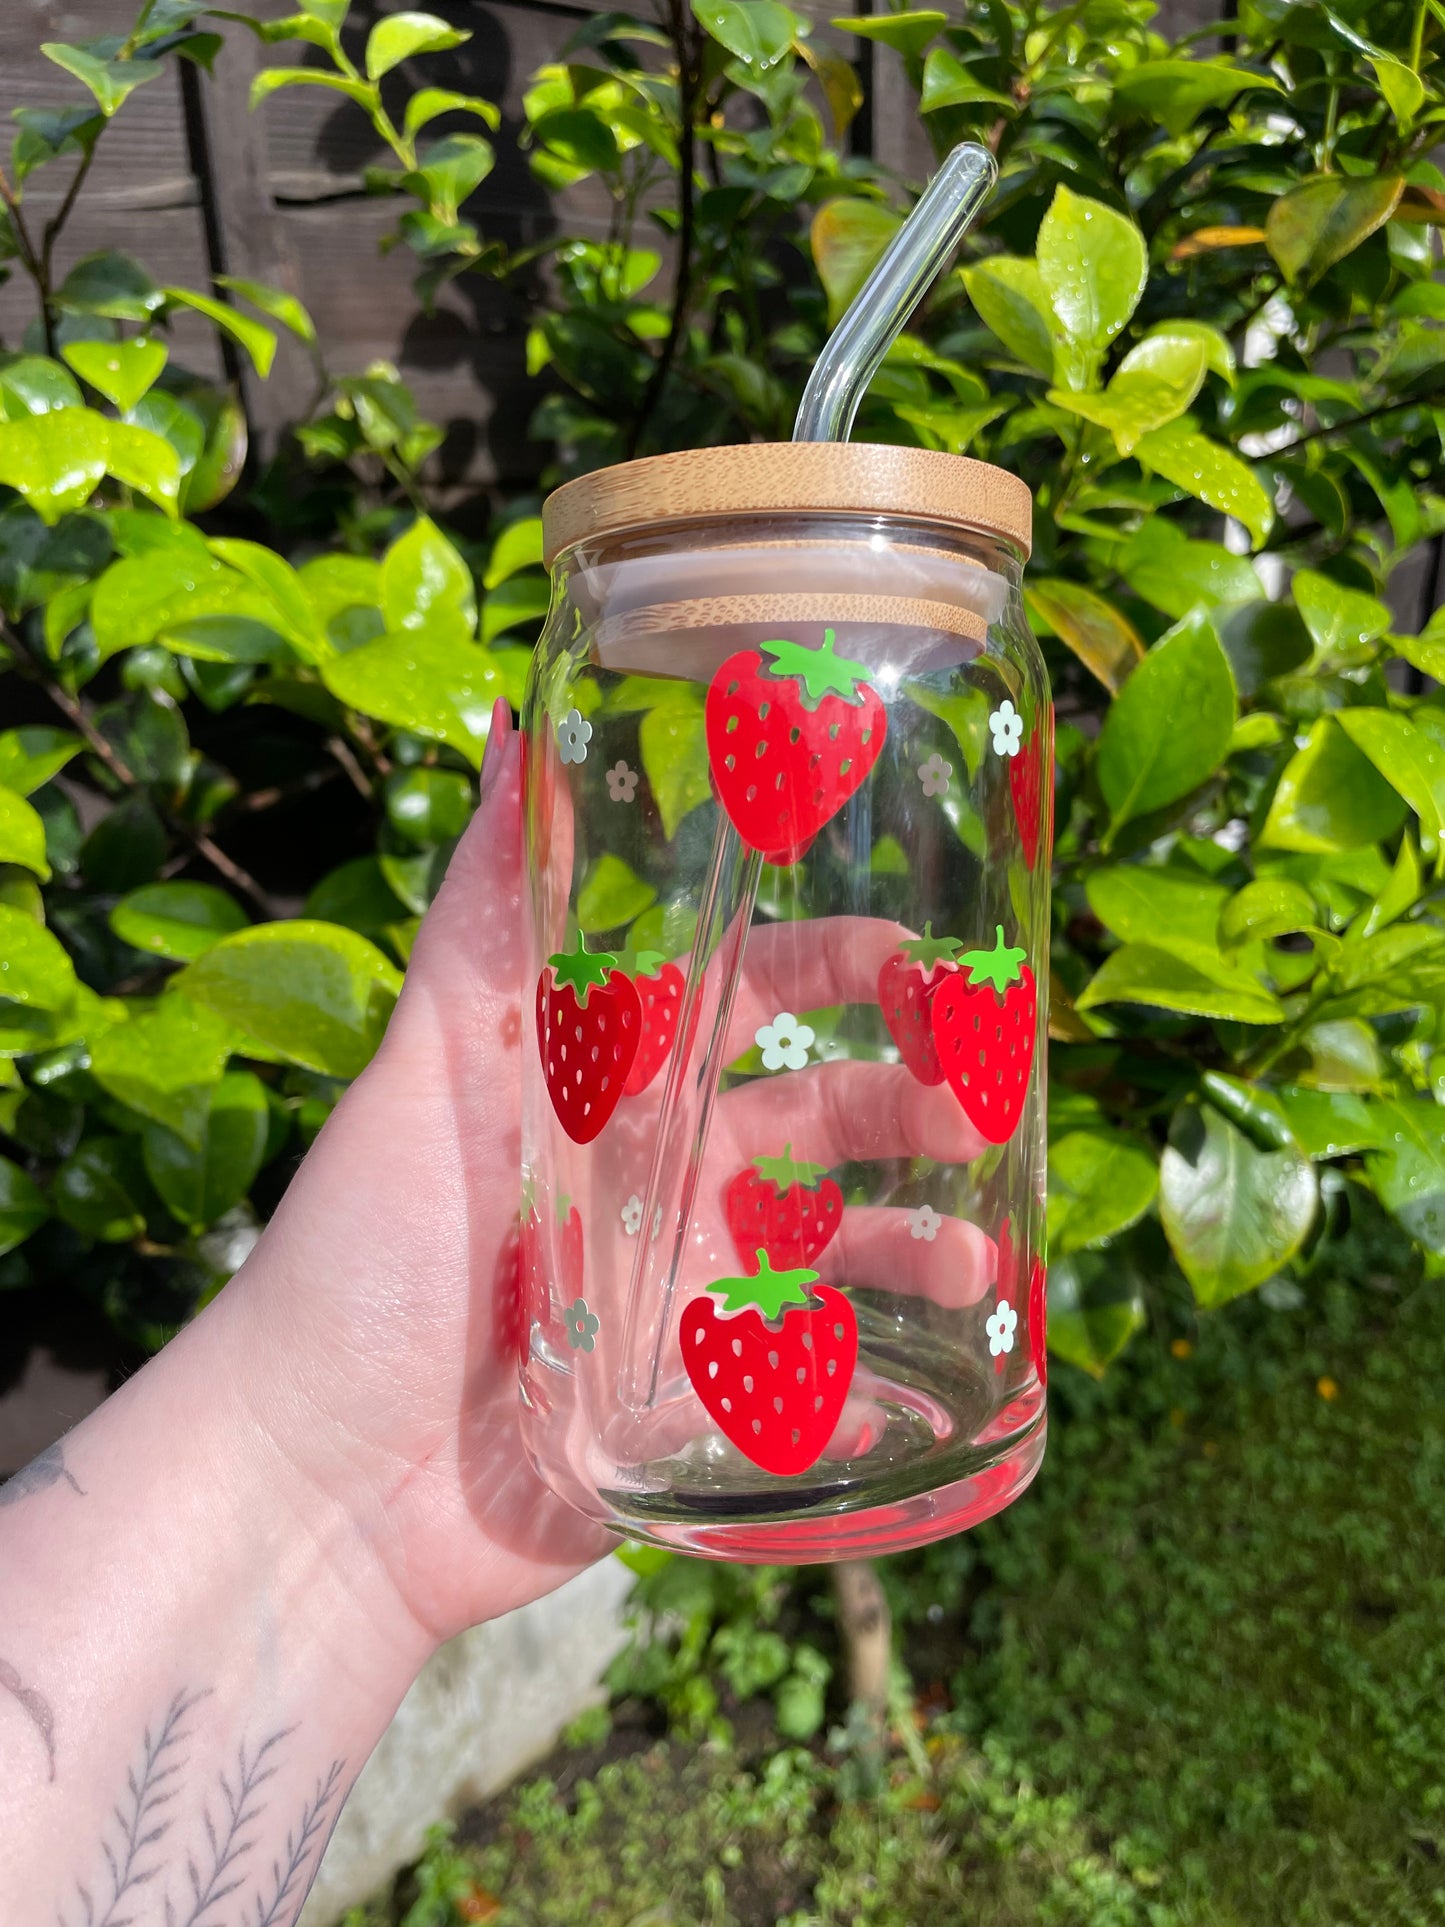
(1359, 421)
(105, 751)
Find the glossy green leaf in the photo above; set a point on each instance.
(947, 82)
(1177, 573)
(317, 994)
(145, 462)
(449, 170)
(1153, 385)
(1342, 622)
(22, 834)
(427, 103)
(418, 680)
(1330, 797)
(32, 754)
(1408, 1170)
(100, 1190)
(1319, 223)
(759, 33)
(1095, 1308)
(1169, 726)
(109, 81)
(274, 302)
(1101, 636)
(177, 920)
(428, 806)
(1409, 759)
(1213, 474)
(1267, 907)
(199, 1181)
(31, 385)
(1331, 1124)
(122, 371)
(1100, 1182)
(514, 604)
(272, 79)
(55, 461)
(1233, 1213)
(1176, 92)
(1008, 292)
(22, 1207)
(672, 740)
(183, 595)
(166, 1062)
(908, 32)
(612, 894)
(1174, 909)
(110, 285)
(519, 546)
(425, 584)
(258, 341)
(358, 895)
(1401, 86)
(398, 36)
(35, 969)
(1093, 266)
(848, 237)
(1143, 973)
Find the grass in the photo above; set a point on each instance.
(1194, 1679)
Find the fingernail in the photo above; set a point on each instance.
(497, 734)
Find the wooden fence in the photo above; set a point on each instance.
(196, 185)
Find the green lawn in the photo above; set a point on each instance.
(1195, 1679)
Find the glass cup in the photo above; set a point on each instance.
(788, 807)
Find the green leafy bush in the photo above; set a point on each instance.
(1200, 317)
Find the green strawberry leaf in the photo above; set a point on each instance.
(821, 671)
(931, 951)
(770, 1291)
(999, 966)
(640, 963)
(786, 1171)
(582, 968)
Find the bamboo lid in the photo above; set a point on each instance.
(762, 478)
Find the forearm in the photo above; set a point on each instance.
(199, 1647)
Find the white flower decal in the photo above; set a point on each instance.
(785, 1042)
(632, 1216)
(621, 783)
(574, 733)
(1008, 729)
(657, 1224)
(934, 775)
(1001, 1326)
(582, 1326)
(923, 1223)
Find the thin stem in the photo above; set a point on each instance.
(56, 223)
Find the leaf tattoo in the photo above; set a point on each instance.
(35, 1706)
(49, 1469)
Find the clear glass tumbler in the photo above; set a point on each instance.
(788, 799)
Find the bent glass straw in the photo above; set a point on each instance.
(875, 318)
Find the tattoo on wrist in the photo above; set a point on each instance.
(227, 1859)
(49, 1469)
(34, 1705)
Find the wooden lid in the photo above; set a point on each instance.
(764, 478)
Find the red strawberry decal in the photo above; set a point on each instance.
(907, 984)
(1026, 787)
(787, 1209)
(792, 732)
(984, 1019)
(773, 1367)
(660, 986)
(589, 1025)
(1039, 1320)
